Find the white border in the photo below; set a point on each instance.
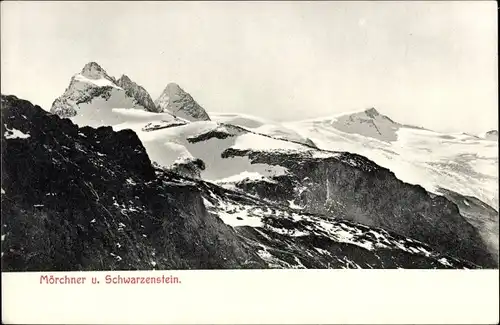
(263, 297)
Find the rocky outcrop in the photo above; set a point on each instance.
(90, 199)
(154, 126)
(175, 100)
(190, 168)
(138, 92)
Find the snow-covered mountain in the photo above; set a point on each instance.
(90, 199)
(242, 159)
(175, 100)
(461, 162)
(92, 96)
(369, 123)
(278, 183)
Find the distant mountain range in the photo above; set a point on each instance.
(114, 180)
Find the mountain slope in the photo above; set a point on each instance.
(480, 215)
(459, 162)
(90, 199)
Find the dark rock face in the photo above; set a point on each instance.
(175, 100)
(153, 126)
(222, 131)
(290, 238)
(90, 199)
(210, 135)
(354, 188)
(138, 92)
(372, 112)
(479, 214)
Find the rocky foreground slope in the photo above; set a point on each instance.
(90, 199)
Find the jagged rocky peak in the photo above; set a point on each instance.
(93, 94)
(125, 80)
(92, 70)
(90, 83)
(138, 92)
(175, 100)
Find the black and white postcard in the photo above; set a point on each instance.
(215, 158)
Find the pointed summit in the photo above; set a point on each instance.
(372, 112)
(92, 70)
(369, 123)
(93, 94)
(124, 79)
(173, 88)
(137, 92)
(178, 102)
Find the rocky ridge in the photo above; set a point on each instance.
(138, 92)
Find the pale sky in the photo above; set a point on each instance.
(432, 64)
